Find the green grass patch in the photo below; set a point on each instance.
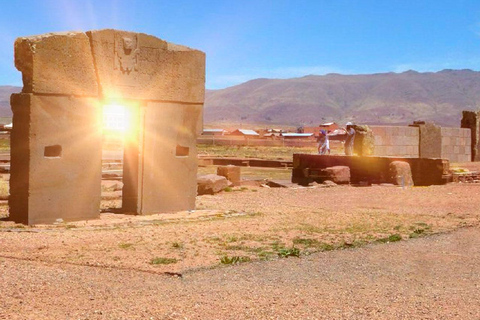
(162, 260)
(391, 238)
(289, 252)
(234, 259)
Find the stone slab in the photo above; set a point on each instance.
(139, 66)
(166, 167)
(55, 159)
(430, 141)
(471, 120)
(56, 63)
(371, 169)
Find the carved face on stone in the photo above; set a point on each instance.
(128, 45)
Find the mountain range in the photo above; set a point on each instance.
(383, 98)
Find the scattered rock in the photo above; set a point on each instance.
(338, 174)
(252, 183)
(112, 185)
(211, 184)
(232, 173)
(329, 184)
(279, 183)
(400, 173)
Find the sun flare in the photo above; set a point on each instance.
(116, 118)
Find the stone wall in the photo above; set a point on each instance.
(423, 141)
(456, 144)
(396, 141)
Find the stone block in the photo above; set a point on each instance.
(338, 174)
(378, 130)
(56, 63)
(232, 173)
(430, 145)
(380, 150)
(372, 169)
(390, 151)
(400, 173)
(412, 132)
(471, 120)
(211, 184)
(55, 159)
(164, 171)
(138, 66)
(378, 140)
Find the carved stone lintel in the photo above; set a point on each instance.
(126, 52)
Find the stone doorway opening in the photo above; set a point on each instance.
(121, 125)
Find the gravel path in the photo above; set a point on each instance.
(436, 277)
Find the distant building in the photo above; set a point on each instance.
(292, 135)
(213, 132)
(246, 133)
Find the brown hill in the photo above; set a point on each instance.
(386, 98)
(5, 92)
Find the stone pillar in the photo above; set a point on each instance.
(56, 135)
(430, 144)
(471, 120)
(165, 83)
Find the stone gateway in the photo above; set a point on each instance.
(56, 141)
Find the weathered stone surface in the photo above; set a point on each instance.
(55, 159)
(56, 63)
(232, 173)
(364, 144)
(425, 172)
(160, 174)
(338, 174)
(471, 120)
(138, 66)
(400, 173)
(430, 141)
(56, 138)
(211, 184)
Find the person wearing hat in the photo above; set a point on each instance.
(350, 139)
(323, 143)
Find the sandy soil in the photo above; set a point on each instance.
(97, 262)
(250, 223)
(435, 277)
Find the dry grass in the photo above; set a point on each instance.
(264, 224)
(274, 153)
(254, 173)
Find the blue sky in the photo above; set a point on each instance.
(246, 39)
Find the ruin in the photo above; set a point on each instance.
(56, 141)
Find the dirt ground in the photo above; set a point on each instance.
(249, 223)
(242, 240)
